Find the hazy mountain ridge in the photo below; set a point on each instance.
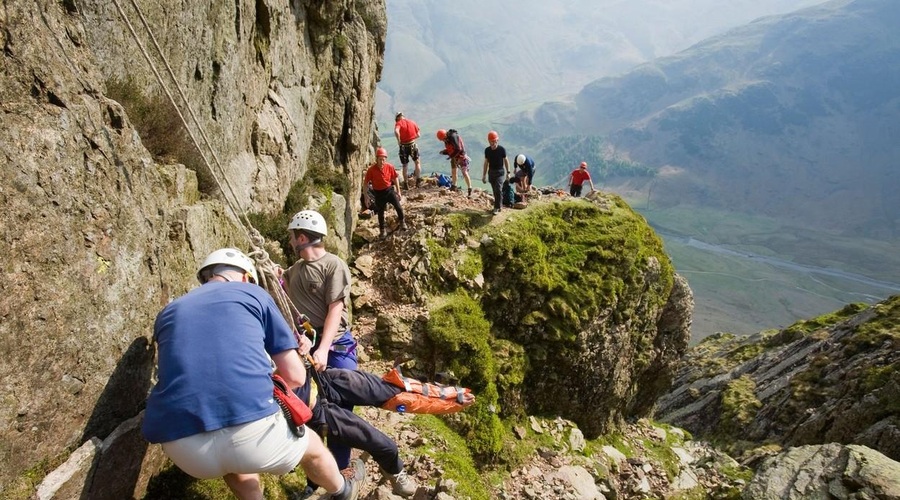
(791, 116)
(443, 59)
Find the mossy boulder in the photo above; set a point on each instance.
(579, 315)
(581, 287)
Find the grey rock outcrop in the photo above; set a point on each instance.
(829, 379)
(98, 234)
(830, 471)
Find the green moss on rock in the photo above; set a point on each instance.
(457, 325)
(883, 328)
(805, 327)
(561, 264)
(739, 405)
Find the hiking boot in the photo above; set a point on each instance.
(405, 185)
(382, 234)
(401, 483)
(418, 182)
(402, 225)
(496, 211)
(354, 483)
(470, 192)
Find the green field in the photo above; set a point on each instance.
(742, 294)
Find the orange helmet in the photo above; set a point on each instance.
(441, 134)
(493, 136)
(381, 153)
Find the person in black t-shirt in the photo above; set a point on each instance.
(496, 168)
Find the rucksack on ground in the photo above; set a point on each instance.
(443, 180)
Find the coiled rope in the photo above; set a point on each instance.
(269, 272)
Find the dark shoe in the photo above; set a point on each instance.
(470, 192)
(418, 182)
(405, 185)
(496, 211)
(354, 482)
(402, 225)
(382, 234)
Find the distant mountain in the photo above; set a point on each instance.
(796, 117)
(445, 59)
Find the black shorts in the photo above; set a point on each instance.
(408, 151)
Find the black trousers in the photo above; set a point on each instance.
(382, 199)
(341, 388)
(496, 178)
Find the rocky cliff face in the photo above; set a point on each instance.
(830, 379)
(97, 233)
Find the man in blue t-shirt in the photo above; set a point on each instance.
(212, 408)
(524, 171)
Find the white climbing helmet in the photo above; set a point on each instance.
(520, 160)
(231, 257)
(309, 220)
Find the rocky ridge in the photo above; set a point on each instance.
(829, 379)
(390, 301)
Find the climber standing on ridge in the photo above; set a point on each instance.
(496, 168)
(455, 150)
(407, 131)
(318, 284)
(212, 407)
(382, 176)
(577, 179)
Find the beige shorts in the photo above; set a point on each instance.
(265, 445)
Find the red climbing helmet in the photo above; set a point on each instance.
(441, 134)
(493, 136)
(381, 153)
(583, 164)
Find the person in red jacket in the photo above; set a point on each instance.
(455, 151)
(577, 179)
(407, 131)
(385, 186)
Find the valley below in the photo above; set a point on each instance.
(743, 287)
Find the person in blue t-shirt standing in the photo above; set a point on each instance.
(212, 408)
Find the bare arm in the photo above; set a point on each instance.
(290, 367)
(329, 333)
